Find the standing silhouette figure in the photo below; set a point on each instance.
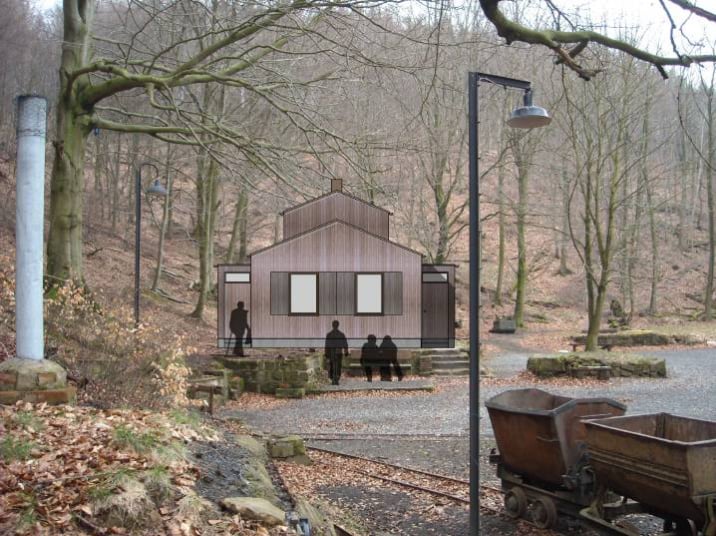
(239, 324)
(336, 346)
(369, 357)
(388, 358)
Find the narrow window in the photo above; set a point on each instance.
(304, 294)
(435, 277)
(369, 294)
(233, 277)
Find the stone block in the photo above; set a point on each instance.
(289, 448)
(504, 325)
(34, 374)
(544, 366)
(237, 386)
(425, 365)
(255, 508)
(8, 381)
(46, 378)
(290, 392)
(68, 395)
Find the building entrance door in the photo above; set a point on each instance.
(436, 320)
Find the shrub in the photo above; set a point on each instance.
(124, 366)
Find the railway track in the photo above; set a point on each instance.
(456, 490)
(352, 436)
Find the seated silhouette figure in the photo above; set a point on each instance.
(239, 324)
(370, 357)
(388, 359)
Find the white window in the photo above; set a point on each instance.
(304, 294)
(369, 294)
(234, 277)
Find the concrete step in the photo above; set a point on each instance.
(451, 372)
(449, 365)
(444, 351)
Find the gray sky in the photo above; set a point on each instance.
(647, 14)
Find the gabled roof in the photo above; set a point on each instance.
(327, 224)
(308, 202)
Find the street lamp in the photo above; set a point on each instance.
(525, 116)
(155, 189)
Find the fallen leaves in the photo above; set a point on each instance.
(62, 462)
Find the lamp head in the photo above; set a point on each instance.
(528, 115)
(157, 189)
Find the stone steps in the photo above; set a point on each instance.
(449, 361)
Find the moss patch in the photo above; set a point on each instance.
(600, 364)
(642, 337)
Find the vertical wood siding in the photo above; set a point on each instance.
(393, 293)
(279, 293)
(336, 206)
(327, 293)
(345, 290)
(336, 248)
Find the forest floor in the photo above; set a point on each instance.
(429, 431)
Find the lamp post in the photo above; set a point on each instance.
(155, 189)
(525, 116)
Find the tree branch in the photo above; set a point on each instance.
(513, 31)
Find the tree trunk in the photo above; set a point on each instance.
(64, 241)
(500, 235)
(207, 203)
(165, 220)
(708, 294)
(564, 243)
(239, 228)
(205, 227)
(115, 185)
(521, 284)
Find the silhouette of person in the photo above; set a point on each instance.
(388, 358)
(336, 346)
(369, 357)
(239, 324)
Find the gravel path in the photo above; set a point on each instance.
(690, 391)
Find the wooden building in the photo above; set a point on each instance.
(336, 262)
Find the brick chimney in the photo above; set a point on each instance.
(336, 185)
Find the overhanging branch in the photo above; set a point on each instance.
(513, 31)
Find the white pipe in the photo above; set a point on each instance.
(29, 225)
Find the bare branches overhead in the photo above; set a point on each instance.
(559, 40)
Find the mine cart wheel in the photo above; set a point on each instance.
(515, 502)
(710, 529)
(681, 527)
(544, 513)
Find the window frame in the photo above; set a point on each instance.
(290, 294)
(382, 293)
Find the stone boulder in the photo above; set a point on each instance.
(290, 448)
(128, 506)
(255, 508)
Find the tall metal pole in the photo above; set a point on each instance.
(29, 215)
(473, 81)
(137, 239)
(530, 118)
